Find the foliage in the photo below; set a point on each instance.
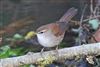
(6, 51)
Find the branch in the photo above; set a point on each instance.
(65, 53)
(85, 20)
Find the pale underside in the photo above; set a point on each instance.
(49, 40)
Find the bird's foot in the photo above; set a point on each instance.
(56, 51)
(30, 53)
(41, 53)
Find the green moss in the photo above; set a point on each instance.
(42, 62)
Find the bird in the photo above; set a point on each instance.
(52, 34)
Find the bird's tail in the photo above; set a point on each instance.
(68, 15)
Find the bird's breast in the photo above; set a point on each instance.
(49, 41)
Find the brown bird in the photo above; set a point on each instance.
(51, 35)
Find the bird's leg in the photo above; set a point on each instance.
(57, 47)
(56, 50)
(42, 50)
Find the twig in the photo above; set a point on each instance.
(91, 18)
(81, 20)
(85, 20)
(91, 6)
(95, 10)
(65, 53)
(80, 28)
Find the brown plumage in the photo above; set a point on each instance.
(54, 27)
(52, 34)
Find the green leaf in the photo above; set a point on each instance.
(18, 37)
(94, 23)
(6, 51)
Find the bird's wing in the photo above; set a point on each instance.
(56, 29)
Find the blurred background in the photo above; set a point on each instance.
(18, 17)
(43, 11)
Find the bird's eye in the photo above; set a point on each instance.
(41, 32)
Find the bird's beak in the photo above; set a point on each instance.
(30, 34)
